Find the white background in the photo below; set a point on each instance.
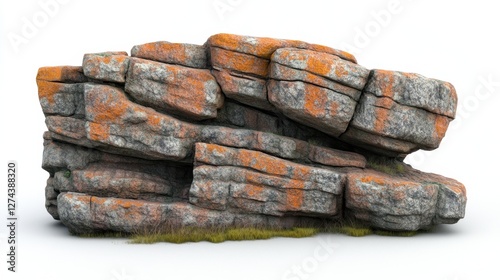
(449, 40)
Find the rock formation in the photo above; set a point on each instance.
(242, 132)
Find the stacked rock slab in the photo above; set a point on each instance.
(241, 132)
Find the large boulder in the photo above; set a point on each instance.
(241, 132)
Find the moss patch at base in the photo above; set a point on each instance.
(216, 236)
(188, 234)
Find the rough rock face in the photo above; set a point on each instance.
(241, 131)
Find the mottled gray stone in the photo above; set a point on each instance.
(414, 90)
(106, 66)
(410, 201)
(317, 107)
(192, 93)
(258, 183)
(189, 55)
(324, 65)
(390, 119)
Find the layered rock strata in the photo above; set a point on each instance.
(241, 132)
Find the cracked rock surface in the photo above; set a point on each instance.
(242, 131)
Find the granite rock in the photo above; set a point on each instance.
(241, 132)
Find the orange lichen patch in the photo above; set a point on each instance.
(81, 198)
(441, 125)
(374, 179)
(115, 204)
(262, 162)
(97, 131)
(458, 189)
(224, 78)
(339, 53)
(253, 191)
(162, 51)
(381, 116)
(295, 196)
(262, 47)
(287, 73)
(301, 172)
(320, 65)
(190, 100)
(384, 102)
(109, 104)
(315, 101)
(265, 47)
(386, 181)
(387, 85)
(47, 90)
(128, 203)
(239, 62)
(89, 175)
(340, 71)
(212, 148)
(108, 59)
(69, 74)
(154, 120)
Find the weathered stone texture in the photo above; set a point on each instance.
(241, 131)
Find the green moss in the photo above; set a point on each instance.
(219, 235)
(355, 231)
(387, 165)
(191, 234)
(67, 174)
(106, 234)
(396, 233)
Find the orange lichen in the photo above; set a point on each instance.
(387, 86)
(440, 126)
(262, 162)
(315, 101)
(47, 90)
(265, 47)
(61, 74)
(240, 62)
(212, 148)
(382, 115)
(154, 120)
(319, 65)
(109, 104)
(128, 203)
(253, 191)
(53, 73)
(301, 172)
(190, 100)
(374, 179)
(262, 47)
(340, 71)
(384, 102)
(98, 132)
(295, 196)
